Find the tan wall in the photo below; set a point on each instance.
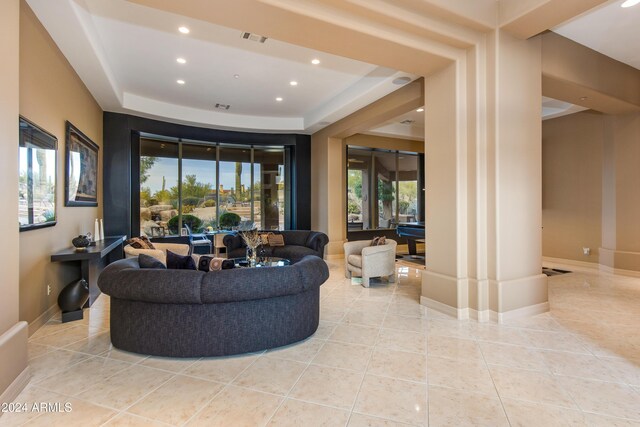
(626, 138)
(590, 197)
(50, 93)
(572, 185)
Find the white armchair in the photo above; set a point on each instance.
(160, 252)
(366, 261)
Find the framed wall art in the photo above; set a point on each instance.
(81, 179)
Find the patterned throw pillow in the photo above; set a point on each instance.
(209, 263)
(264, 237)
(204, 262)
(139, 243)
(276, 239)
(146, 240)
(379, 241)
(216, 264)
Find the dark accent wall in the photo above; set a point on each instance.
(121, 166)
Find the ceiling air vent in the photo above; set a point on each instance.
(408, 122)
(253, 37)
(223, 106)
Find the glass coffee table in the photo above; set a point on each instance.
(271, 261)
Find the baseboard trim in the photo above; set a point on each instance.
(43, 318)
(530, 310)
(484, 315)
(561, 262)
(457, 313)
(16, 387)
(481, 316)
(619, 271)
(590, 267)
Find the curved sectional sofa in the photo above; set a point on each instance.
(297, 245)
(188, 313)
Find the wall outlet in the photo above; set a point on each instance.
(49, 289)
(586, 251)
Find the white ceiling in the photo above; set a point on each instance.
(411, 125)
(126, 55)
(610, 29)
(406, 126)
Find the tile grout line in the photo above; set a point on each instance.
(195, 414)
(366, 368)
(504, 410)
(284, 399)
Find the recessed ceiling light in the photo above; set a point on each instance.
(420, 110)
(630, 3)
(293, 83)
(236, 76)
(583, 98)
(183, 30)
(279, 99)
(180, 81)
(315, 61)
(181, 60)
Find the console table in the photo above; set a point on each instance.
(93, 260)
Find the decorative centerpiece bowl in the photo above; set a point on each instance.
(252, 239)
(81, 242)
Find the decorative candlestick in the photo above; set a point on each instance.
(101, 229)
(96, 228)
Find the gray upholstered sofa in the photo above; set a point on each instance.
(297, 245)
(188, 313)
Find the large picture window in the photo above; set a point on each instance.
(189, 185)
(382, 188)
(37, 179)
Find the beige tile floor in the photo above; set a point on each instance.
(378, 359)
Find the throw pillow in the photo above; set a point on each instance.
(204, 262)
(216, 264)
(228, 264)
(147, 261)
(264, 238)
(276, 239)
(146, 240)
(378, 241)
(137, 243)
(179, 262)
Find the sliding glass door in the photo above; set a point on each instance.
(197, 191)
(382, 188)
(159, 193)
(269, 187)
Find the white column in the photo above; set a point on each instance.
(517, 286)
(484, 183)
(444, 284)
